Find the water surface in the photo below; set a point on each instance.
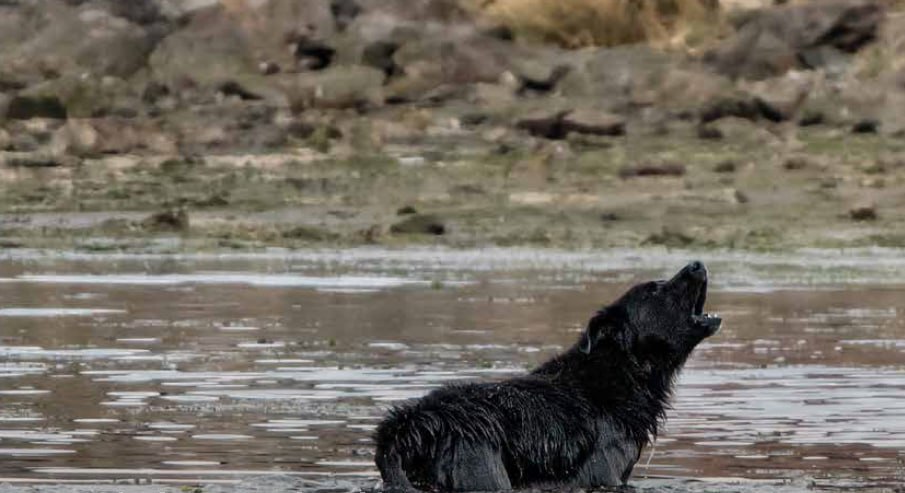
(216, 368)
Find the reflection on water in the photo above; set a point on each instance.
(213, 368)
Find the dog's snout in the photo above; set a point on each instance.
(697, 269)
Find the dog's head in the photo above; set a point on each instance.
(658, 320)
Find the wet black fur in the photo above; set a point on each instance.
(580, 419)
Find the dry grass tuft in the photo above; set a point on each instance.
(580, 23)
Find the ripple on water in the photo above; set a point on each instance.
(245, 278)
(222, 437)
(57, 312)
(34, 452)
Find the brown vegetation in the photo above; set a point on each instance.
(580, 23)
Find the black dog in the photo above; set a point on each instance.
(580, 419)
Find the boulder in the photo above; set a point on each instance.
(231, 39)
(457, 59)
(31, 160)
(94, 137)
(863, 212)
(77, 137)
(336, 87)
(167, 221)
(614, 77)
(379, 55)
(57, 38)
(652, 169)
(593, 123)
(798, 36)
(4, 105)
(781, 98)
(141, 12)
(425, 224)
(80, 97)
(233, 126)
(25, 107)
(555, 123)
(546, 123)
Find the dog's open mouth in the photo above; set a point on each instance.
(705, 320)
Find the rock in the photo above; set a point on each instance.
(168, 220)
(233, 126)
(592, 123)
(873, 182)
(65, 39)
(545, 123)
(664, 169)
(210, 50)
(797, 163)
(5, 139)
(451, 59)
(557, 124)
(154, 91)
(379, 55)
(725, 167)
(268, 67)
(670, 237)
(372, 234)
(427, 224)
(77, 137)
(229, 40)
(616, 78)
(181, 10)
(86, 96)
(344, 12)
(313, 54)
(25, 107)
(493, 97)
(866, 127)
(781, 98)
(31, 160)
(863, 212)
(738, 107)
(610, 217)
(709, 132)
(743, 130)
(798, 36)
(537, 77)
(141, 12)
(4, 105)
(23, 142)
(406, 210)
(233, 88)
(337, 87)
(811, 117)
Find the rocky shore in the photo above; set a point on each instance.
(248, 124)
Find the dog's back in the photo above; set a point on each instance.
(489, 436)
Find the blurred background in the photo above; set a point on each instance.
(252, 123)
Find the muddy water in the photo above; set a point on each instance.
(211, 368)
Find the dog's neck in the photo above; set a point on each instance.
(635, 393)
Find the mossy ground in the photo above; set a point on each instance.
(560, 194)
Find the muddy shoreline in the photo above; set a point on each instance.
(745, 195)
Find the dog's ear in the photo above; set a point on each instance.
(606, 323)
(597, 327)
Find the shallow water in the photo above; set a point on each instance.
(207, 368)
